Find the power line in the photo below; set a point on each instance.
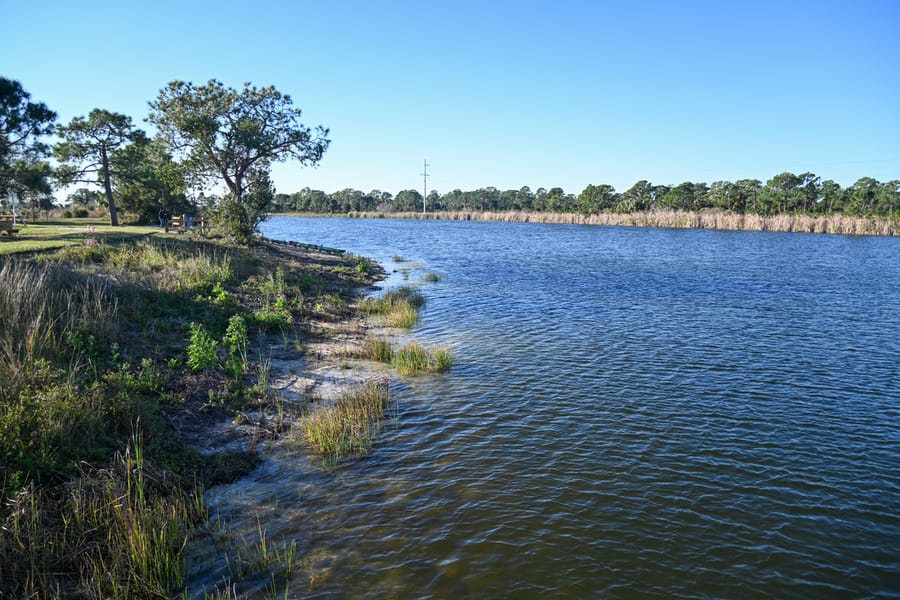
(425, 186)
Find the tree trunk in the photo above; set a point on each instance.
(107, 187)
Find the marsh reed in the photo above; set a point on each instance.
(832, 224)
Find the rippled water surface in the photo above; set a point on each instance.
(631, 413)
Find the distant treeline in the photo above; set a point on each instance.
(785, 193)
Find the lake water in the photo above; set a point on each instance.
(631, 413)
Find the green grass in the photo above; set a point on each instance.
(348, 426)
(398, 308)
(118, 536)
(410, 359)
(414, 358)
(60, 233)
(379, 349)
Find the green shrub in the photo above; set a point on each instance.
(272, 317)
(236, 342)
(201, 349)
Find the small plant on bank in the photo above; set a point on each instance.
(201, 348)
(221, 296)
(275, 316)
(236, 342)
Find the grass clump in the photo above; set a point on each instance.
(414, 358)
(379, 349)
(349, 425)
(397, 308)
(410, 359)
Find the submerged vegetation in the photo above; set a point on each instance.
(104, 349)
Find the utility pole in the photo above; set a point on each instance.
(425, 187)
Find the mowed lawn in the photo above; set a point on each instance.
(57, 233)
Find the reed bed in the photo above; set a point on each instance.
(831, 224)
(347, 426)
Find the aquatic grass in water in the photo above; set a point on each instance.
(410, 359)
(348, 426)
(401, 316)
(397, 308)
(377, 349)
(414, 358)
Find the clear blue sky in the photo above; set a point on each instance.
(504, 94)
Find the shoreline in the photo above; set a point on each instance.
(144, 428)
(668, 219)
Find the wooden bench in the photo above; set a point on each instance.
(186, 223)
(8, 225)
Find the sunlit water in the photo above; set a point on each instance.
(630, 413)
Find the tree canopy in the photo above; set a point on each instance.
(783, 193)
(22, 124)
(211, 133)
(87, 148)
(234, 135)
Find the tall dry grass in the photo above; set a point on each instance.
(833, 224)
(49, 314)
